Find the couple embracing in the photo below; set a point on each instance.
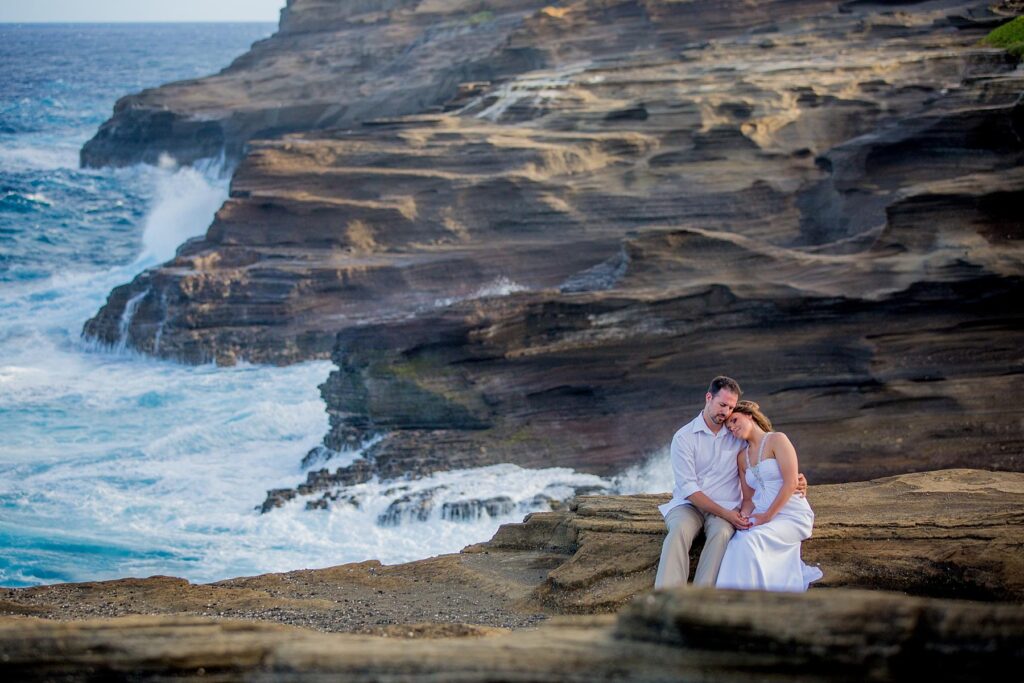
(738, 481)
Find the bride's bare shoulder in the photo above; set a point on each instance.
(780, 440)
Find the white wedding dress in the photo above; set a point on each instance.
(767, 557)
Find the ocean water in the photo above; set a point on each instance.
(113, 464)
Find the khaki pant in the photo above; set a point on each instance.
(684, 522)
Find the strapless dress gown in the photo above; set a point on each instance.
(767, 557)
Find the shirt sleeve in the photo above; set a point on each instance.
(684, 465)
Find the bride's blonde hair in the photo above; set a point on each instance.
(754, 411)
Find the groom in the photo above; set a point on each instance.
(707, 490)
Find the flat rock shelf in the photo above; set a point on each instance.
(567, 596)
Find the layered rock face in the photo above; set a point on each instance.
(331, 64)
(935, 535)
(818, 198)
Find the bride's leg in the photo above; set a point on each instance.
(740, 567)
(775, 554)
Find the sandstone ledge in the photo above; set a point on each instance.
(949, 534)
(689, 634)
(952, 533)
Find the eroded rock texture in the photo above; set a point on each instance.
(935, 535)
(331, 64)
(819, 198)
(689, 635)
(949, 533)
(943, 534)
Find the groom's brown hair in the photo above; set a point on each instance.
(723, 382)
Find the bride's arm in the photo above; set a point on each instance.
(747, 506)
(785, 455)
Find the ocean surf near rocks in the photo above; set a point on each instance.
(517, 239)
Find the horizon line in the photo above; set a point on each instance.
(141, 21)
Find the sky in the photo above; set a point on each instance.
(139, 10)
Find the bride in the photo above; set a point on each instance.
(767, 555)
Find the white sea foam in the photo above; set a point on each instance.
(185, 201)
(365, 538)
(18, 155)
(146, 462)
(652, 475)
(39, 198)
(158, 468)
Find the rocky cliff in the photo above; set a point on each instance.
(331, 64)
(935, 536)
(546, 259)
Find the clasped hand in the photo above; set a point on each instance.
(742, 520)
(739, 520)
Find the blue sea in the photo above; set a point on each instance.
(113, 464)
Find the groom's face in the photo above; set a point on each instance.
(718, 407)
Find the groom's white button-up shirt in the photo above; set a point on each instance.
(704, 461)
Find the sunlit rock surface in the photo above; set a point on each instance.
(331, 64)
(928, 537)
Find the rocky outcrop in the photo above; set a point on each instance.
(878, 636)
(697, 115)
(864, 388)
(336, 64)
(934, 535)
(550, 271)
(944, 534)
(331, 64)
(713, 636)
(949, 533)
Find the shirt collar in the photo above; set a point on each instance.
(699, 425)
